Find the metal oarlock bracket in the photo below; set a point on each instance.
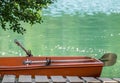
(47, 62)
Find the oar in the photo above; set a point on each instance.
(49, 61)
(108, 59)
(28, 52)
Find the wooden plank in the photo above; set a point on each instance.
(58, 79)
(41, 79)
(8, 79)
(116, 79)
(0, 79)
(91, 80)
(107, 80)
(74, 79)
(25, 79)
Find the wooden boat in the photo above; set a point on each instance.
(80, 66)
(65, 66)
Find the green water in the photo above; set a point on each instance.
(89, 35)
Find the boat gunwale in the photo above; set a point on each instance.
(53, 65)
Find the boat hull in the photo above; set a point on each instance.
(15, 65)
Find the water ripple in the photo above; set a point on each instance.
(81, 7)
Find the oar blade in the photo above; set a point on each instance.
(109, 59)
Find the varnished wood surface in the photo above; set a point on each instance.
(65, 66)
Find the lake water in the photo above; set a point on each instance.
(71, 28)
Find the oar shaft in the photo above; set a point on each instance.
(27, 52)
(77, 60)
(23, 48)
(33, 62)
(58, 61)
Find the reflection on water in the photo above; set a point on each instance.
(77, 27)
